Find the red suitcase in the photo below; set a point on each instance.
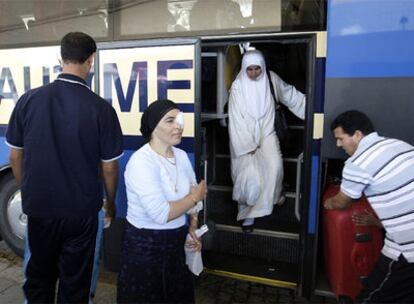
(350, 250)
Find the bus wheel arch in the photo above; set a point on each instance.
(13, 221)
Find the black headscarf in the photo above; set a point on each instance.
(153, 114)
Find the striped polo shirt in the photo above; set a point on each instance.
(383, 169)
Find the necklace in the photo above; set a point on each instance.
(173, 184)
(172, 162)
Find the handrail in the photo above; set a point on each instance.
(205, 200)
(221, 89)
(298, 180)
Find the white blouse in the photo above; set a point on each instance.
(152, 181)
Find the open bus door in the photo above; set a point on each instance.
(130, 76)
(280, 250)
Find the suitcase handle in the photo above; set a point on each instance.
(363, 237)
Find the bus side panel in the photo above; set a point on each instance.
(370, 66)
(4, 149)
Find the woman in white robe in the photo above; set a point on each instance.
(256, 159)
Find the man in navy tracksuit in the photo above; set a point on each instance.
(65, 141)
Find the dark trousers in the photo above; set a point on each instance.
(59, 249)
(389, 282)
(153, 268)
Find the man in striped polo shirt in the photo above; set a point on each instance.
(382, 169)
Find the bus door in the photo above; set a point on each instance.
(132, 75)
(274, 252)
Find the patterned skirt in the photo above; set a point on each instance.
(153, 268)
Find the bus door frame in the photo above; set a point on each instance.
(308, 211)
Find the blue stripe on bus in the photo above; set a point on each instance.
(370, 39)
(313, 195)
(3, 129)
(4, 152)
(186, 107)
(191, 156)
(135, 142)
(121, 198)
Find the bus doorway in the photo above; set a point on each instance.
(271, 254)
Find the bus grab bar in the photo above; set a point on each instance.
(221, 89)
(205, 200)
(298, 180)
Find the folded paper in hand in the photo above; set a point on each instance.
(193, 258)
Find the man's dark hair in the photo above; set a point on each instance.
(351, 121)
(76, 47)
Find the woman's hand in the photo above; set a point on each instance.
(198, 192)
(194, 243)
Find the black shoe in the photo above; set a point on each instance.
(248, 229)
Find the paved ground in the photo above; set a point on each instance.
(209, 289)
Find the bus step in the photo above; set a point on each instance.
(262, 232)
(252, 245)
(221, 209)
(263, 271)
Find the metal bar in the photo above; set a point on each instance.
(221, 90)
(211, 116)
(261, 232)
(290, 194)
(222, 155)
(286, 159)
(298, 180)
(220, 188)
(208, 54)
(205, 200)
(296, 127)
(290, 159)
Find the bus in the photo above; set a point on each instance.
(342, 54)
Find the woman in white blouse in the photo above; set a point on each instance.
(161, 189)
(256, 159)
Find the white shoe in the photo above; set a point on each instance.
(248, 221)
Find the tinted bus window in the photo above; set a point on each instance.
(38, 21)
(190, 17)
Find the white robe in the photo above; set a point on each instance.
(258, 177)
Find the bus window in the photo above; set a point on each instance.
(133, 19)
(34, 22)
